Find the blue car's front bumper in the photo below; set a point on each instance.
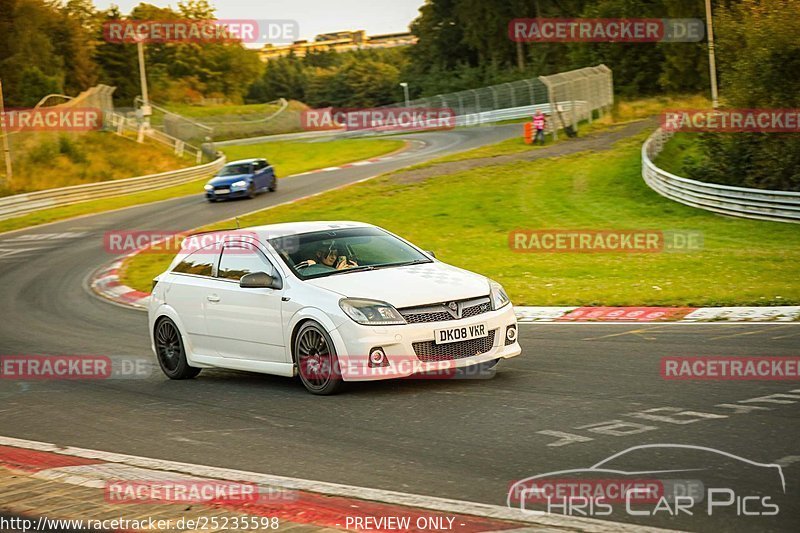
(233, 193)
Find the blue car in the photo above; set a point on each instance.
(247, 177)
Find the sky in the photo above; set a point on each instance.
(313, 16)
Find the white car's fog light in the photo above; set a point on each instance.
(511, 333)
(377, 357)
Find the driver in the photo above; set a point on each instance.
(328, 256)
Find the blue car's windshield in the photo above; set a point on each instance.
(325, 253)
(234, 170)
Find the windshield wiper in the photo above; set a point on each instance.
(372, 267)
(387, 265)
(406, 263)
(345, 270)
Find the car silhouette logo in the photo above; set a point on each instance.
(452, 307)
(520, 491)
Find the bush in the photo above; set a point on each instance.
(759, 68)
(71, 149)
(43, 153)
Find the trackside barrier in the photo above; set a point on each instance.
(475, 119)
(568, 98)
(778, 206)
(22, 204)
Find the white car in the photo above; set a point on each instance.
(328, 301)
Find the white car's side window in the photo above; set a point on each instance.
(198, 263)
(240, 259)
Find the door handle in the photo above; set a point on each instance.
(212, 298)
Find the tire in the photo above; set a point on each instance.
(316, 359)
(274, 186)
(170, 352)
(251, 191)
(211, 200)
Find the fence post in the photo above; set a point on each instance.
(550, 97)
(530, 91)
(477, 101)
(4, 133)
(511, 91)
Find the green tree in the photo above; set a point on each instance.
(117, 63)
(30, 65)
(759, 67)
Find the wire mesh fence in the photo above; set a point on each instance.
(277, 117)
(568, 97)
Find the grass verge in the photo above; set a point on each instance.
(623, 112)
(466, 218)
(47, 160)
(679, 150)
(292, 157)
(289, 158)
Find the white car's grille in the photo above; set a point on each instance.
(440, 312)
(430, 352)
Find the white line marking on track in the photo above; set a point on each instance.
(8, 252)
(788, 460)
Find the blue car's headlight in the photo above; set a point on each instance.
(241, 184)
(208, 187)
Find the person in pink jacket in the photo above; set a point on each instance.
(539, 122)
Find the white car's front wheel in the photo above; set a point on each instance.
(317, 363)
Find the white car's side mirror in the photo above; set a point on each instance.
(260, 280)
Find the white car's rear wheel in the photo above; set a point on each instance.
(316, 360)
(170, 352)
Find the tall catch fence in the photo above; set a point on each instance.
(568, 98)
(278, 117)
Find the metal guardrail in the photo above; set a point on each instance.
(22, 204)
(474, 119)
(779, 206)
(511, 113)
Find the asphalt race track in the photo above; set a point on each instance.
(578, 394)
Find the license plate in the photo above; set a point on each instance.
(462, 333)
(222, 191)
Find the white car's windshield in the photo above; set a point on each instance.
(325, 253)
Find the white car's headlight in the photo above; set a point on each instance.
(241, 184)
(208, 187)
(498, 295)
(371, 312)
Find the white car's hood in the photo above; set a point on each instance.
(409, 285)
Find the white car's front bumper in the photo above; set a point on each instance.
(410, 348)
